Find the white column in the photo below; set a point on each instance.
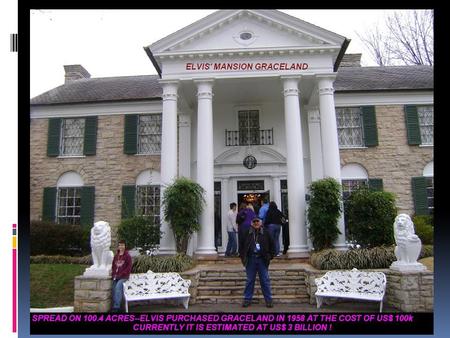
(205, 166)
(225, 207)
(296, 184)
(168, 157)
(330, 143)
(315, 144)
(276, 195)
(185, 145)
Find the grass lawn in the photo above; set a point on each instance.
(51, 285)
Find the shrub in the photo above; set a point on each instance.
(60, 259)
(364, 258)
(323, 212)
(426, 251)
(177, 263)
(48, 238)
(183, 203)
(370, 217)
(373, 258)
(423, 226)
(140, 232)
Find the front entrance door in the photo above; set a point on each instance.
(253, 197)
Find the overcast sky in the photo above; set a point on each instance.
(110, 42)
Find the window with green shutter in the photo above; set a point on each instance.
(370, 126)
(68, 205)
(130, 134)
(90, 136)
(128, 201)
(87, 206)
(49, 204)
(349, 127)
(412, 125)
(419, 190)
(53, 136)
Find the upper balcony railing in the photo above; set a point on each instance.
(250, 137)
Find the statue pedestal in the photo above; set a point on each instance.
(98, 272)
(92, 294)
(407, 267)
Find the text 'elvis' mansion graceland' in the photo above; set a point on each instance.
(250, 104)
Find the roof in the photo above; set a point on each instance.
(121, 88)
(384, 78)
(147, 87)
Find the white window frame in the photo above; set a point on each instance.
(152, 192)
(69, 180)
(140, 146)
(249, 130)
(63, 138)
(350, 185)
(353, 176)
(72, 203)
(340, 128)
(423, 125)
(428, 173)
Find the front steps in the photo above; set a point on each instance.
(224, 283)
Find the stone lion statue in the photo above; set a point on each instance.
(102, 256)
(408, 245)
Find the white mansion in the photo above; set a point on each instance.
(248, 103)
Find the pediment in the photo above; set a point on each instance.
(246, 30)
(264, 155)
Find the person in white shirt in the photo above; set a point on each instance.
(232, 231)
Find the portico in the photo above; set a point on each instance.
(248, 83)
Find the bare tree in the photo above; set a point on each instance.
(408, 39)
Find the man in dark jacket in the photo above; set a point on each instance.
(121, 269)
(257, 250)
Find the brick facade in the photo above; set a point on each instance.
(108, 170)
(393, 160)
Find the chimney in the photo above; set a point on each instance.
(351, 60)
(75, 72)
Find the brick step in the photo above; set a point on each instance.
(238, 290)
(240, 280)
(223, 261)
(232, 284)
(257, 299)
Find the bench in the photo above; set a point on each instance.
(352, 284)
(152, 286)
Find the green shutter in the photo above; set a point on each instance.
(370, 126)
(49, 204)
(130, 141)
(419, 190)
(376, 184)
(87, 206)
(412, 125)
(90, 135)
(53, 136)
(128, 200)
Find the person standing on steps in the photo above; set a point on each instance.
(256, 251)
(274, 220)
(263, 210)
(232, 231)
(244, 219)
